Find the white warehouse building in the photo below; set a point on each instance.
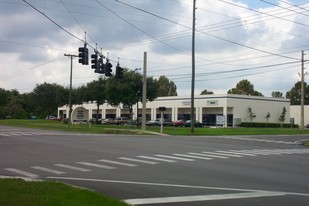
(213, 110)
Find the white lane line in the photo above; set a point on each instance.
(96, 165)
(174, 185)
(138, 160)
(118, 163)
(176, 158)
(21, 172)
(193, 156)
(217, 153)
(48, 170)
(73, 167)
(3, 134)
(203, 198)
(157, 159)
(208, 155)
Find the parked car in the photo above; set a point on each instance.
(53, 118)
(197, 124)
(94, 121)
(155, 122)
(179, 123)
(166, 122)
(107, 121)
(120, 120)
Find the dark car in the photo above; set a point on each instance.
(166, 122)
(197, 124)
(179, 123)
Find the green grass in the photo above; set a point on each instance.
(17, 192)
(306, 144)
(114, 129)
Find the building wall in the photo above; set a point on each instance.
(207, 108)
(260, 107)
(296, 111)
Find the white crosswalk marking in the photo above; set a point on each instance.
(236, 153)
(3, 134)
(48, 170)
(218, 153)
(96, 165)
(176, 158)
(193, 156)
(73, 167)
(158, 159)
(241, 152)
(21, 172)
(208, 155)
(138, 160)
(118, 163)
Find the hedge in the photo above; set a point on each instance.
(270, 125)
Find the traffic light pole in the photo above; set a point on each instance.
(70, 92)
(193, 118)
(144, 98)
(302, 112)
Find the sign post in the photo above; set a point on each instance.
(162, 109)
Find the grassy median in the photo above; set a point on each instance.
(132, 129)
(17, 192)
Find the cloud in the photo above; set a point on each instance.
(229, 37)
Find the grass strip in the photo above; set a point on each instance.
(18, 192)
(136, 130)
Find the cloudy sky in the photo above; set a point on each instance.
(257, 40)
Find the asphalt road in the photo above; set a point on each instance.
(165, 170)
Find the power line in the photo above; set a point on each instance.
(233, 71)
(267, 2)
(53, 21)
(264, 13)
(216, 37)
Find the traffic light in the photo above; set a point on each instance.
(101, 69)
(108, 69)
(119, 72)
(94, 62)
(83, 55)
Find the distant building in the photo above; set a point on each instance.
(213, 110)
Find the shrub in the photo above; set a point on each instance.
(270, 125)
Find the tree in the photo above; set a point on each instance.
(251, 113)
(94, 91)
(277, 94)
(45, 98)
(4, 99)
(166, 87)
(282, 116)
(129, 89)
(267, 116)
(295, 94)
(205, 92)
(244, 87)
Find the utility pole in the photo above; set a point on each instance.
(193, 118)
(302, 112)
(144, 98)
(70, 92)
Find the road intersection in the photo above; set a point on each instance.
(155, 170)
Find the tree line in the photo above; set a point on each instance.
(245, 87)
(45, 98)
